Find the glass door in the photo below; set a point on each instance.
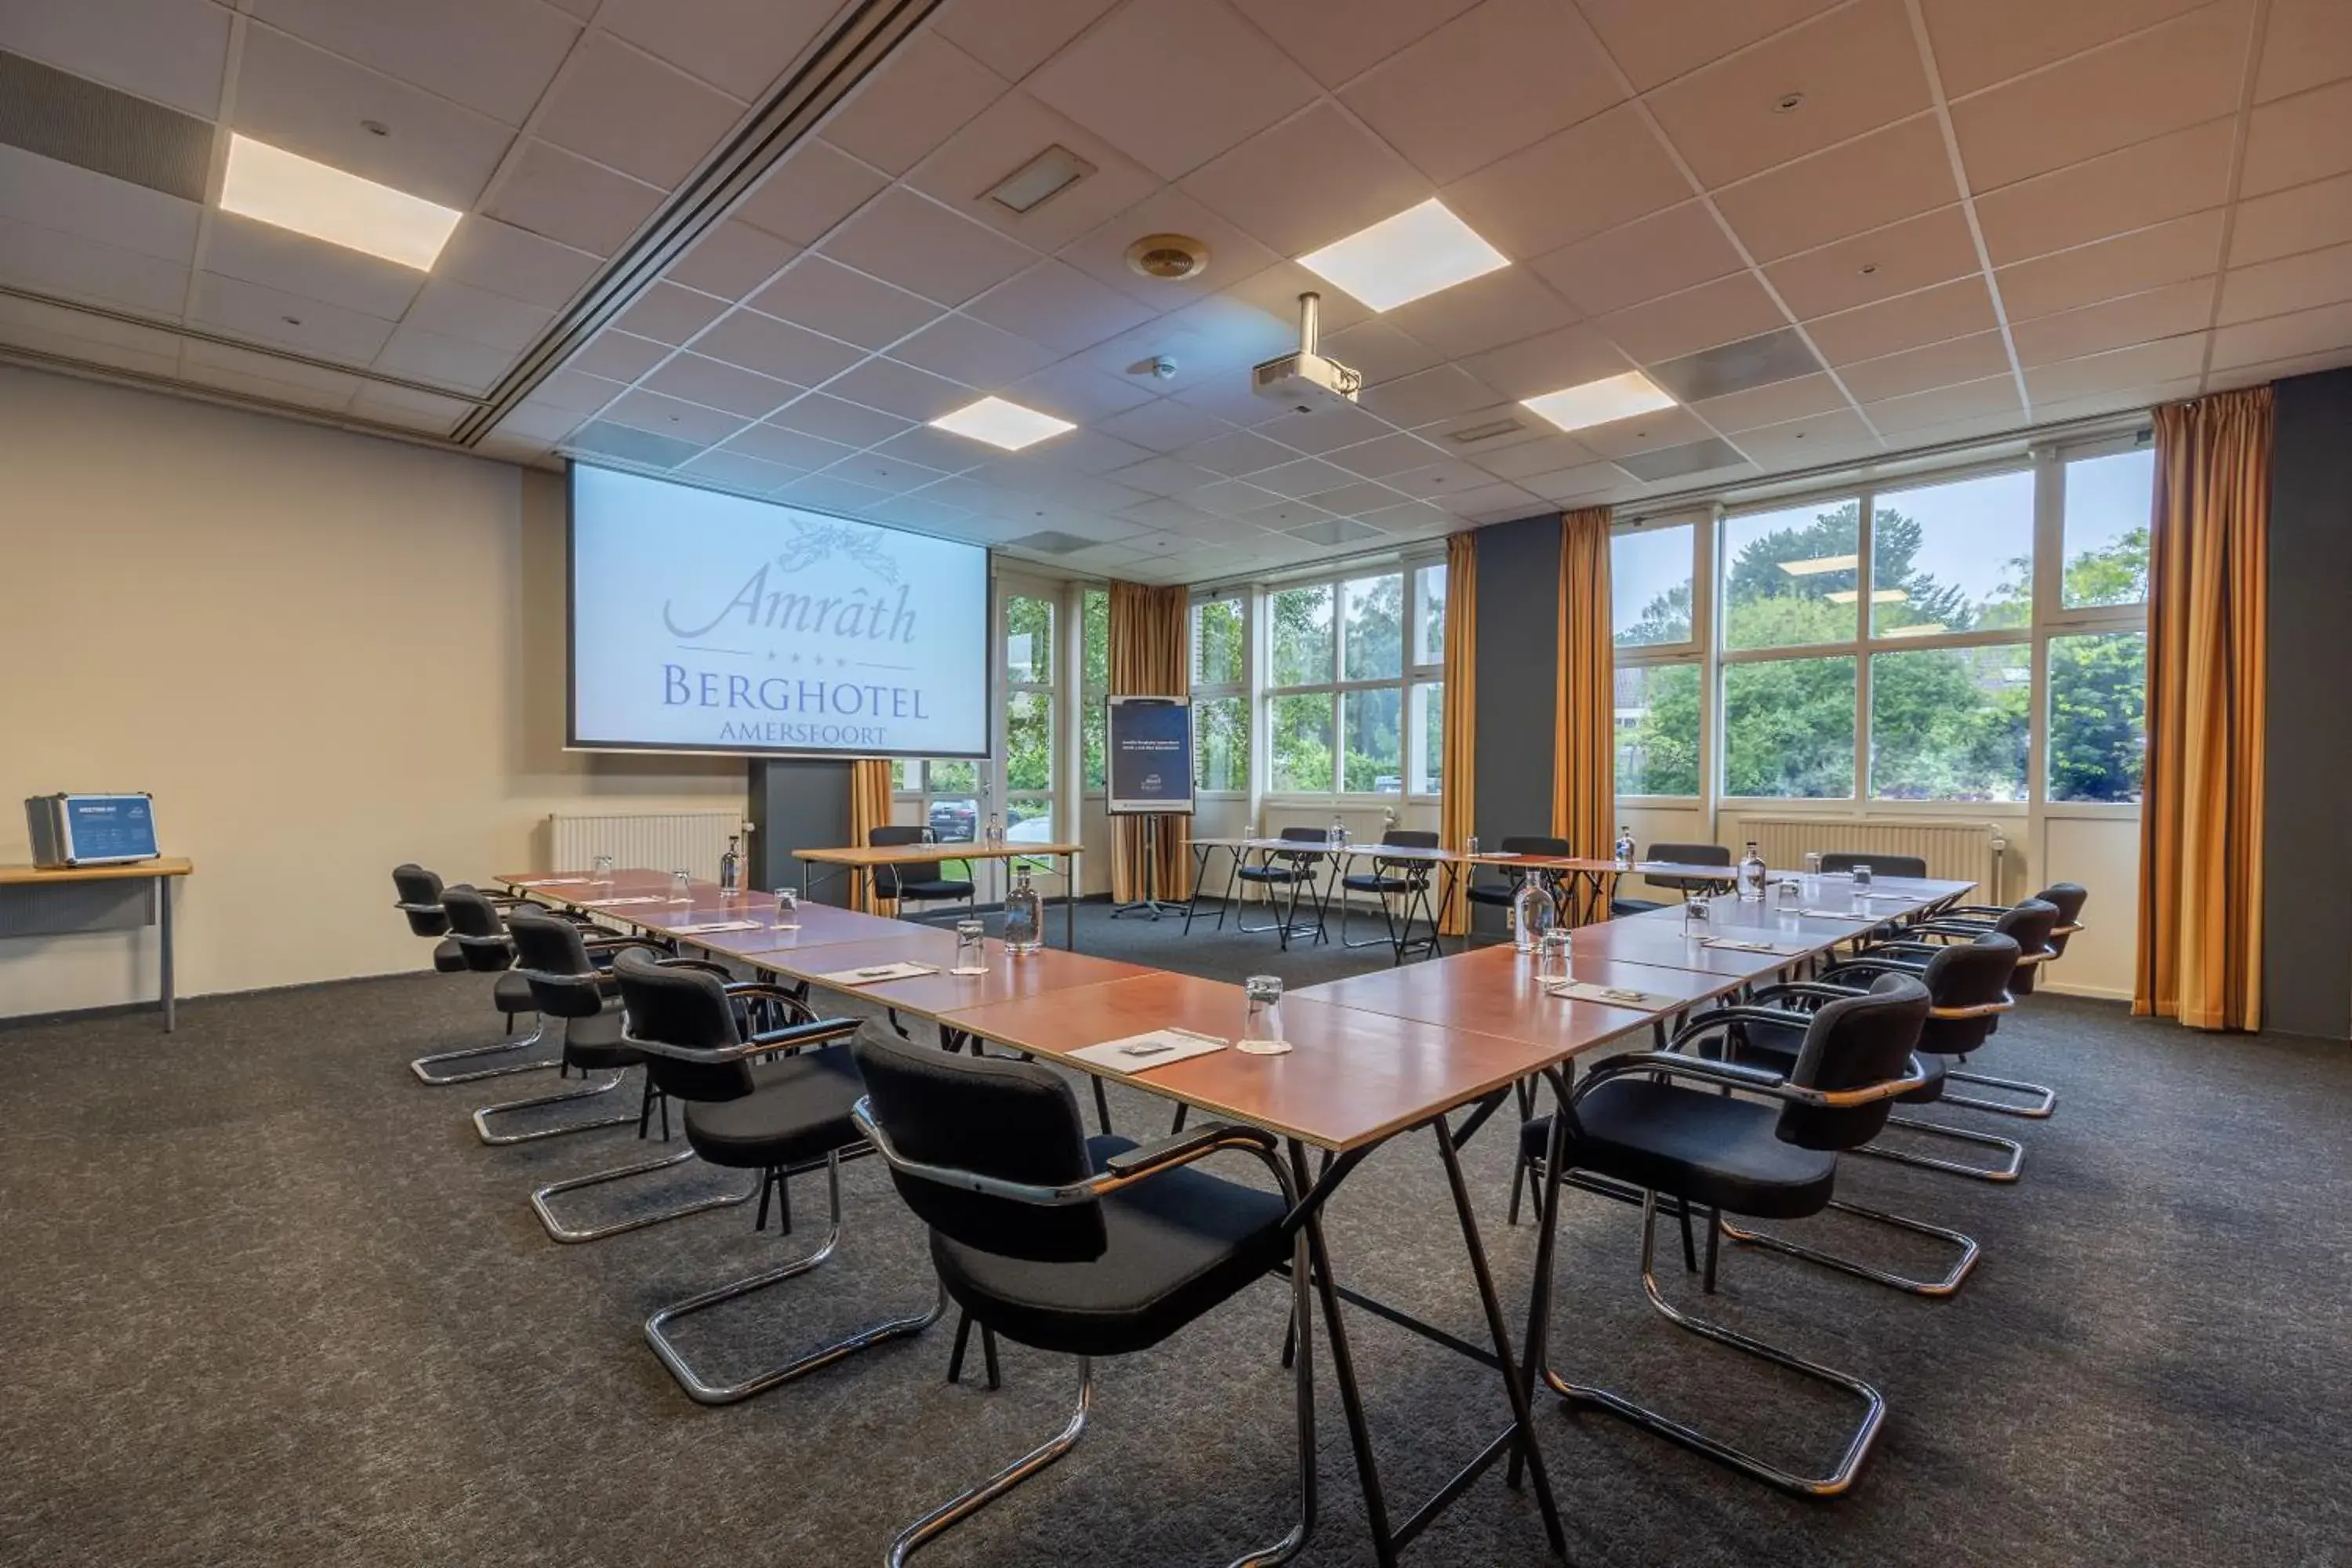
(1028, 745)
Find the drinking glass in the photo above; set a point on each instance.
(1698, 918)
(681, 887)
(601, 868)
(972, 952)
(1861, 881)
(1553, 957)
(1262, 1023)
(1792, 896)
(788, 909)
(1470, 844)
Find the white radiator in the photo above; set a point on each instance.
(1964, 851)
(658, 841)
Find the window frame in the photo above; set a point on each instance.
(1213, 690)
(1697, 650)
(1409, 565)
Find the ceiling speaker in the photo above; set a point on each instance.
(1169, 257)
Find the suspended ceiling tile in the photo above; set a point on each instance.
(1531, 67)
(811, 189)
(912, 102)
(1502, 307)
(963, 348)
(1866, 183)
(1572, 483)
(1385, 458)
(2307, 217)
(1912, 254)
(422, 355)
(1678, 249)
(934, 448)
(920, 246)
(1013, 37)
(1322, 430)
(1981, 42)
(255, 365)
(493, 55)
(738, 46)
(1339, 39)
(669, 313)
(565, 198)
(1173, 84)
(46, 192)
(1055, 304)
(1658, 40)
(299, 394)
(627, 110)
(776, 348)
(2325, 331)
(791, 448)
(1527, 462)
(1804, 397)
(715, 385)
(891, 475)
(2166, 312)
(2162, 80)
(2125, 368)
(419, 411)
(825, 296)
(56, 263)
(2292, 283)
(1802, 443)
(1720, 312)
(1238, 452)
(514, 262)
(827, 492)
(1913, 371)
(311, 326)
(1435, 394)
(1587, 178)
(673, 417)
(2307, 44)
(619, 356)
(576, 391)
(1953, 310)
(1077, 393)
(833, 419)
(2169, 252)
(1163, 425)
(901, 389)
(311, 268)
(2136, 398)
(2306, 137)
(1566, 356)
(169, 50)
(2172, 175)
(1649, 432)
(1316, 177)
(1379, 352)
(1858, 69)
(1990, 397)
(1101, 253)
(1007, 136)
(739, 471)
(731, 260)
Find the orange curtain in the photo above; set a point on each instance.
(2200, 890)
(1583, 763)
(1147, 660)
(869, 808)
(1457, 772)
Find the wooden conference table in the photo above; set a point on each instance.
(1372, 1057)
(861, 860)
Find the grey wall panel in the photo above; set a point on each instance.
(1517, 653)
(2307, 818)
(798, 805)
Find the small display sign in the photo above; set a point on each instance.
(92, 829)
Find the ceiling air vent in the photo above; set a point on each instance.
(60, 115)
(1052, 542)
(1048, 174)
(1487, 432)
(1680, 462)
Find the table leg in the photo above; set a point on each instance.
(164, 934)
(1070, 911)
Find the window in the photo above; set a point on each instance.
(1094, 686)
(1221, 730)
(1919, 643)
(1341, 688)
(1029, 703)
(947, 794)
(2108, 501)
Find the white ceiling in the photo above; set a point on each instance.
(1983, 214)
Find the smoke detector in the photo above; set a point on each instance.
(1169, 257)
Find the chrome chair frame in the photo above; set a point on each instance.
(1416, 875)
(1287, 926)
(2041, 1100)
(538, 1033)
(587, 1091)
(1122, 1171)
(1727, 1076)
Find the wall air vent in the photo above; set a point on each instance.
(62, 116)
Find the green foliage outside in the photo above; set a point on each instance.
(1946, 724)
(1371, 648)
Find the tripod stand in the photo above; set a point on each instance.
(1151, 904)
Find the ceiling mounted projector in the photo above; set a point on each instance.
(1306, 380)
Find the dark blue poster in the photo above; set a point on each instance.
(1152, 755)
(111, 827)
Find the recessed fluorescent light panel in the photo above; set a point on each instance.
(1419, 251)
(1049, 174)
(1600, 401)
(1820, 563)
(1002, 424)
(274, 187)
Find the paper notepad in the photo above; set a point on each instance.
(1738, 944)
(638, 898)
(1613, 995)
(1140, 1053)
(710, 928)
(1834, 915)
(555, 882)
(879, 973)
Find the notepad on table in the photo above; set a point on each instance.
(710, 928)
(554, 882)
(633, 898)
(1612, 995)
(1834, 915)
(1740, 944)
(1139, 1053)
(877, 973)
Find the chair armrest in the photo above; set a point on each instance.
(1869, 962)
(704, 965)
(1758, 1080)
(811, 1032)
(1807, 991)
(1722, 1016)
(615, 941)
(1964, 911)
(1135, 1165)
(1183, 1148)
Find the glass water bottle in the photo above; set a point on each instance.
(1751, 875)
(1532, 913)
(1025, 915)
(1337, 834)
(1625, 851)
(995, 831)
(731, 871)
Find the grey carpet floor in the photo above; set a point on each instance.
(265, 1300)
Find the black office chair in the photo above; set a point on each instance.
(1289, 873)
(1663, 1121)
(1405, 880)
(910, 884)
(780, 1119)
(2066, 898)
(480, 933)
(571, 981)
(420, 900)
(1498, 895)
(1680, 855)
(1076, 1245)
(2033, 925)
(1840, 861)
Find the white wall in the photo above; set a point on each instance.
(324, 654)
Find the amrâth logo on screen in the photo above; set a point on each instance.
(847, 624)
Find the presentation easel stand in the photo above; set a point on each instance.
(1151, 904)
